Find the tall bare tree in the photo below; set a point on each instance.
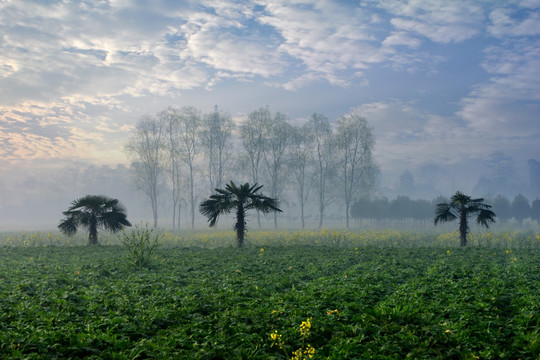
(301, 161)
(278, 138)
(356, 170)
(174, 163)
(216, 139)
(252, 136)
(145, 148)
(320, 130)
(188, 125)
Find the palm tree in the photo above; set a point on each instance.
(91, 212)
(238, 198)
(462, 206)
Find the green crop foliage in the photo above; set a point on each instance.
(360, 298)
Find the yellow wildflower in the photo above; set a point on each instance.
(305, 327)
(276, 339)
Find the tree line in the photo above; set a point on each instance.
(403, 207)
(182, 155)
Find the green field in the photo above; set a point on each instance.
(361, 300)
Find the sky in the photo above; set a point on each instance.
(446, 82)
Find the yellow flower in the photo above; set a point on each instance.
(276, 339)
(305, 327)
(508, 251)
(448, 252)
(309, 351)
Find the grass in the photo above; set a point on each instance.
(363, 299)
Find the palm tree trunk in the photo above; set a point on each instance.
(463, 227)
(240, 225)
(92, 232)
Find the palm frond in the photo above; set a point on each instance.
(216, 205)
(263, 204)
(485, 217)
(444, 213)
(69, 225)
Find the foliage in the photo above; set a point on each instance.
(140, 244)
(93, 212)
(462, 207)
(239, 199)
(369, 302)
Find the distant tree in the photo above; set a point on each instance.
(216, 139)
(428, 176)
(521, 208)
(422, 209)
(188, 123)
(356, 169)
(146, 148)
(278, 136)
(534, 176)
(321, 132)
(406, 184)
(253, 139)
(501, 204)
(173, 162)
(300, 164)
(402, 207)
(439, 199)
(362, 209)
(462, 207)
(93, 212)
(371, 208)
(535, 210)
(239, 199)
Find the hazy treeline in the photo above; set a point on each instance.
(181, 155)
(403, 207)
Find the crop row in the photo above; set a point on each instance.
(523, 239)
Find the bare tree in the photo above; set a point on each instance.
(188, 127)
(170, 120)
(301, 160)
(145, 148)
(320, 130)
(354, 143)
(278, 137)
(252, 136)
(216, 138)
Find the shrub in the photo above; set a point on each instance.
(140, 244)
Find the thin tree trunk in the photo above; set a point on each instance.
(192, 199)
(347, 215)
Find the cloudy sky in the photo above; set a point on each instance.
(440, 81)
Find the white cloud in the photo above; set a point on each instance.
(397, 38)
(504, 25)
(439, 20)
(507, 104)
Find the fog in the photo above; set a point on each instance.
(34, 199)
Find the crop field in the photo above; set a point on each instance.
(286, 295)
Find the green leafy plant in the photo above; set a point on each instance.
(140, 244)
